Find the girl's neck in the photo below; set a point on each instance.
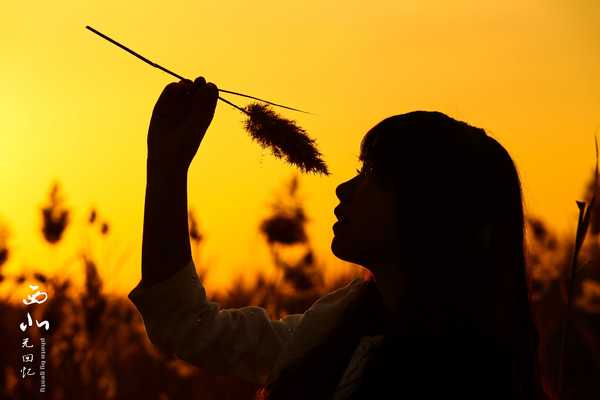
(390, 283)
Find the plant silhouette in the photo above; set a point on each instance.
(98, 348)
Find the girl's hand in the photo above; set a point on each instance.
(179, 121)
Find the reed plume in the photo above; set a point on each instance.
(4, 252)
(284, 137)
(55, 217)
(264, 125)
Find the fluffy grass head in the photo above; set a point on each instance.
(284, 137)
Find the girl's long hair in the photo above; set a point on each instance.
(465, 326)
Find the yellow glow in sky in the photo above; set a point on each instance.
(76, 109)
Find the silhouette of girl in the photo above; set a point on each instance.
(436, 216)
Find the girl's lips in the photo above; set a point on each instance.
(338, 213)
(338, 224)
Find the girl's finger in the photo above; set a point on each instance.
(167, 93)
(186, 86)
(199, 81)
(212, 94)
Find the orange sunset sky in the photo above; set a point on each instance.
(75, 109)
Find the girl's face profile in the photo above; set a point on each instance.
(366, 232)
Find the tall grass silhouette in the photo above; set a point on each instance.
(98, 348)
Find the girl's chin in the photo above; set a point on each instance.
(340, 248)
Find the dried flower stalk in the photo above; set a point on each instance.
(284, 137)
(582, 228)
(264, 125)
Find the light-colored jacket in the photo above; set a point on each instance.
(244, 342)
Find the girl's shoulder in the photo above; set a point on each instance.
(318, 322)
(339, 296)
(320, 318)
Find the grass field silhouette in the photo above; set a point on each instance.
(98, 348)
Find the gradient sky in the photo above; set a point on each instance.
(75, 108)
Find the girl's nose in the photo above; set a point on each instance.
(343, 190)
(338, 191)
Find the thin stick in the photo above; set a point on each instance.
(567, 317)
(155, 65)
(264, 101)
(583, 223)
(233, 105)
